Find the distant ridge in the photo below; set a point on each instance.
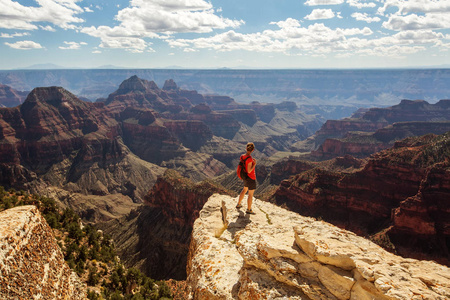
(48, 66)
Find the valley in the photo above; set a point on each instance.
(141, 159)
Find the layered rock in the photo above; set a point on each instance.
(155, 237)
(385, 125)
(55, 141)
(362, 199)
(280, 254)
(9, 97)
(408, 110)
(32, 265)
(362, 145)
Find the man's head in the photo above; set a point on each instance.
(250, 147)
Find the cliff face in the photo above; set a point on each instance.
(55, 143)
(9, 97)
(32, 265)
(363, 144)
(409, 110)
(373, 130)
(279, 254)
(155, 237)
(411, 179)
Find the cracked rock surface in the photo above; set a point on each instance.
(278, 254)
(32, 265)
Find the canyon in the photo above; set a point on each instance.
(142, 162)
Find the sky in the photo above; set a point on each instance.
(262, 34)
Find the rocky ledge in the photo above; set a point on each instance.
(32, 265)
(277, 254)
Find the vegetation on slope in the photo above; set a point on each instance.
(90, 252)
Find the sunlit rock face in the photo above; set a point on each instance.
(32, 265)
(277, 254)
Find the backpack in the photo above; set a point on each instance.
(241, 169)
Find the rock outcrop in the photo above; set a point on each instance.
(277, 254)
(32, 265)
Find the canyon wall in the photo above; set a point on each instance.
(402, 192)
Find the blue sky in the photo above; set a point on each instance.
(225, 33)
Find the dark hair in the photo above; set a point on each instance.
(250, 146)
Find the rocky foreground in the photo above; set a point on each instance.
(32, 265)
(277, 253)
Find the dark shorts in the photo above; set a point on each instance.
(250, 183)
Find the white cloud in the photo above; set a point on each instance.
(359, 4)
(172, 16)
(9, 36)
(47, 28)
(134, 45)
(87, 9)
(157, 19)
(323, 2)
(61, 13)
(72, 45)
(290, 38)
(417, 6)
(189, 50)
(96, 51)
(24, 45)
(416, 22)
(365, 17)
(318, 14)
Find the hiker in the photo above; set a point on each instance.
(249, 178)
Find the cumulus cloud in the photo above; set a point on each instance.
(24, 45)
(134, 45)
(416, 22)
(323, 2)
(72, 45)
(47, 28)
(173, 16)
(318, 14)
(416, 6)
(61, 13)
(157, 19)
(9, 36)
(359, 4)
(365, 17)
(290, 38)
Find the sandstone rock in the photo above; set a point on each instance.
(32, 265)
(277, 254)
